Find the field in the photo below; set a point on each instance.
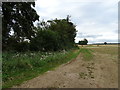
(94, 67)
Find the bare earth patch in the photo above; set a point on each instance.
(101, 72)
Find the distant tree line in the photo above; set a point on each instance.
(19, 33)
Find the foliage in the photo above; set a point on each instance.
(18, 67)
(83, 42)
(46, 40)
(23, 44)
(65, 28)
(17, 22)
(54, 35)
(105, 43)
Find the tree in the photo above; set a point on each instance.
(18, 18)
(54, 35)
(86, 41)
(83, 42)
(46, 40)
(105, 43)
(66, 30)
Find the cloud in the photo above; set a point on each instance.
(86, 35)
(95, 19)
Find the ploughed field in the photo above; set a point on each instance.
(95, 67)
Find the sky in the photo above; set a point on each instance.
(95, 20)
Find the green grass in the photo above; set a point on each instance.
(19, 67)
(86, 53)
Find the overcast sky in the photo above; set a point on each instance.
(95, 20)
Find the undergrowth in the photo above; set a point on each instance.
(19, 67)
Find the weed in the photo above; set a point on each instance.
(19, 67)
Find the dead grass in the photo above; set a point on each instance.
(113, 50)
(104, 49)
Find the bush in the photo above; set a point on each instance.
(22, 46)
(46, 40)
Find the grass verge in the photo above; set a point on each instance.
(86, 53)
(19, 67)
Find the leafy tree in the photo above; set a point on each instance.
(54, 35)
(45, 40)
(83, 42)
(86, 41)
(105, 43)
(18, 18)
(66, 30)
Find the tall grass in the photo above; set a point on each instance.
(18, 67)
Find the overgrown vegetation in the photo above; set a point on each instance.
(18, 67)
(29, 50)
(54, 35)
(22, 36)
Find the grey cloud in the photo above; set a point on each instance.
(85, 35)
(82, 13)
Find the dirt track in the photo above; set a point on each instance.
(101, 72)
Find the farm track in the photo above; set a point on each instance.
(101, 72)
